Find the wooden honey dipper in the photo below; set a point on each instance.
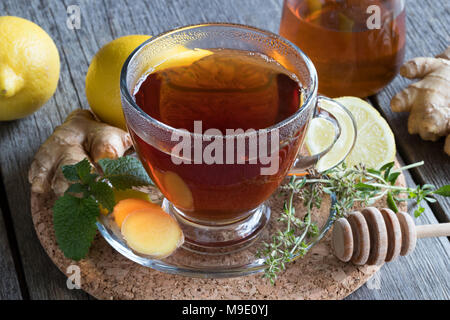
(374, 236)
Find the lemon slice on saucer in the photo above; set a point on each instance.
(375, 143)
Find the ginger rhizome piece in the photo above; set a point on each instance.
(124, 207)
(152, 231)
(177, 190)
(427, 100)
(79, 137)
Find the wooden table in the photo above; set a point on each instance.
(26, 271)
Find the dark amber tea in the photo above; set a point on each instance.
(225, 89)
(228, 89)
(357, 46)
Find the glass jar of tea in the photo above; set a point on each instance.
(357, 46)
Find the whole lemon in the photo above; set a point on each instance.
(102, 79)
(29, 67)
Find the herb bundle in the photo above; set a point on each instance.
(350, 185)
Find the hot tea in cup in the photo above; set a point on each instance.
(227, 91)
(218, 114)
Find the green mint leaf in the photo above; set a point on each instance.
(79, 171)
(77, 188)
(104, 194)
(443, 191)
(125, 172)
(84, 169)
(70, 173)
(74, 223)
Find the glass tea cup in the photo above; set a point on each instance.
(357, 46)
(220, 206)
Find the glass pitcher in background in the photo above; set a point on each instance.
(357, 46)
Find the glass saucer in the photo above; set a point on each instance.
(244, 262)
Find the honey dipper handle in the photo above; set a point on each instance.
(433, 230)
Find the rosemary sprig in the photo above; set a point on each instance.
(350, 185)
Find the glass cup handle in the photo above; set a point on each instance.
(304, 162)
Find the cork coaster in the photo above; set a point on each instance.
(106, 274)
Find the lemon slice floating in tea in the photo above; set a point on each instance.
(178, 56)
(375, 143)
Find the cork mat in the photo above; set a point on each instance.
(106, 274)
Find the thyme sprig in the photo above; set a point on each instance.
(351, 186)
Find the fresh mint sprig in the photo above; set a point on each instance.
(350, 185)
(76, 212)
(125, 173)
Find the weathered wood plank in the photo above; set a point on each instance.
(406, 277)
(9, 283)
(428, 33)
(154, 17)
(19, 142)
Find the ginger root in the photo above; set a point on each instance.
(152, 232)
(126, 206)
(428, 100)
(79, 137)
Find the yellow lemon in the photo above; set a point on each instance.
(29, 67)
(130, 194)
(375, 142)
(102, 79)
